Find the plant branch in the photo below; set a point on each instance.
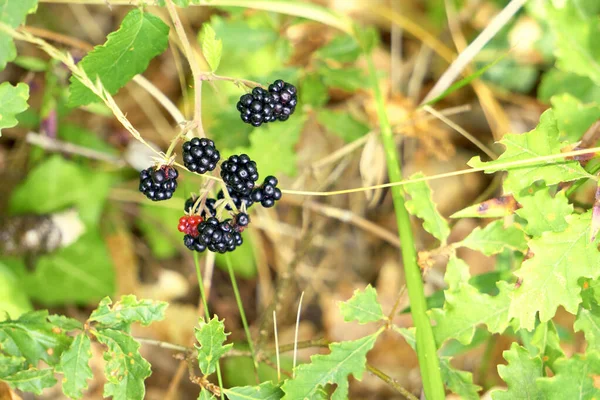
(391, 381)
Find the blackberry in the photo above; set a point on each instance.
(237, 199)
(193, 243)
(257, 107)
(158, 184)
(219, 237)
(267, 193)
(285, 99)
(239, 173)
(200, 155)
(241, 221)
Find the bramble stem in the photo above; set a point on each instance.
(248, 83)
(426, 347)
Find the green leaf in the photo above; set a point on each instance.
(346, 358)
(543, 212)
(83, 137)
(342, 48)
(459, 382)
(547, 342)
(349, 79)
(576, 48)
(363, 307)
(74, 364)
(494, 238)
(125, 368)
(542, 141)
(126, 53)
(573, 117)
(342, 124)
(520, 375)
(549, 278)
(211, 337)
(497, 207)
(159, 228)
(212, 48)
(12, 13)
(422, 206)
(65, 323)
(205, 395)
(32, 64)
(32, 380)
(127, 311)
(13, 100)
(13, 300)
(32, 337)
(10, 365)
(555, 82)
(264, 391)
(272, 147)
(573, 379)
(313, 91)
(588, 321)
(79, 273)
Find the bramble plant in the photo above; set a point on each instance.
(544, 241)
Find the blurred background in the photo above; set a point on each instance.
(76, 172)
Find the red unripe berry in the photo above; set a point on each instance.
(182, 228)
(183, 220)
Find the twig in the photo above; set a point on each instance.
(49, 143)
(165, 345)
(296, 334)
(391, 381)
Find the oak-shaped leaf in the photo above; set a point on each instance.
(362, 307)
(212, 48)
(125, 368)
(12, 13)
(574, 378)
(32, 380)
(126, 53)
(126, 311)
(13, 101)
(544, 212)
(265, 391)
(74, 364)
(346, 358)
(422, 206)
(494, 238)
(211, 336)
(549, 278)
(520, 375)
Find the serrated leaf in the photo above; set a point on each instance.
(542, 141)
(212, 48)
(573, 117)
(457, 272)
(459, 382)
(65, 323)
(342, 48)
(421, 205)
(13, 101)
(575, 48)
(10, 365)
(547, 342)
(574, 378)
(126, 53)
(520, 375)
(12, 13)
(466, 308)
(32, 380)
(492, 208)
(543, 212)
(74, 364)
(363, 307)
(211, 337)
(588, 321)
(494, 238)
(346, 358)
(32, 337)
(127, 311)
(342, 124)
(549, 278)
(125, 368)
(264, 391)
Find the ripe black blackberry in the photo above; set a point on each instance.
(158, 184)
(209, 205)
(194, 243)
(285, 99)
(257, 107)
(241, 221)
(237, 199)
(267, 193)
(240, 174)
(219, 237)
(200, 155)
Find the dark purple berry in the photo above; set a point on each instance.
(200, 155)
(158, 184)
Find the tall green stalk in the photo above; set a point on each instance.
(426, 347)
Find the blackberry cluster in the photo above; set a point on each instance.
(237, 199)
(219, 237)
(158, 184)
(267, 193)
(200, 155)
(263, 106)
(239, 173)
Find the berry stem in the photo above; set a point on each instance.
(426, 347)
(206, 313)
(248, 83)
(191, 57)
